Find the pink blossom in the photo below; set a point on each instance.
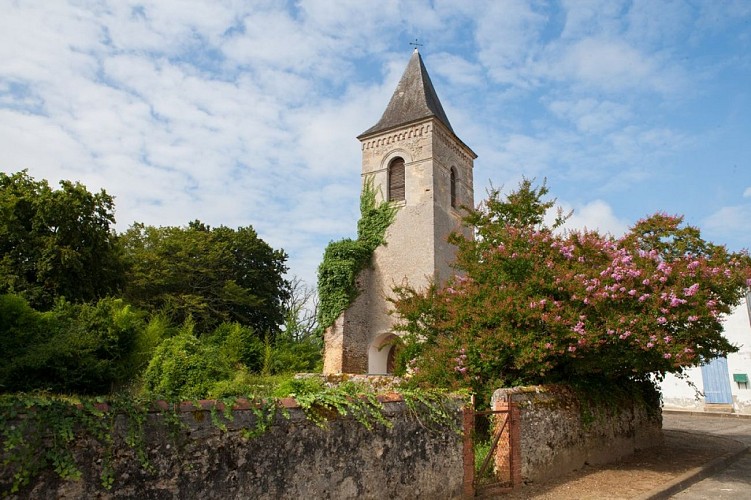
(667, 355)
(675, 301)
(690, 291)
(650, 344)
(572, 348)
(693, 318)
(568, 251)
(548, 345)
(664, 268)
(661, 320)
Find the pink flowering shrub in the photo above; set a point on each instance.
(535, 304)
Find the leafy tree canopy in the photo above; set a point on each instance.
(84, 348)
(56, 243)
(533, 304)
(213, 275)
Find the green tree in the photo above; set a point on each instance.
(56, 243)
(534, 304)
(85, 348)
(212, 275)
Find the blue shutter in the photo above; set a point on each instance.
(717, 382)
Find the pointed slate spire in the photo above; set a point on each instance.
(414, 99)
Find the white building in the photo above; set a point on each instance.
(724, 384)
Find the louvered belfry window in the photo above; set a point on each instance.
(396, 180)
(453, 188)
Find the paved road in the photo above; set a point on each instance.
(733, 482)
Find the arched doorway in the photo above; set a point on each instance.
(382, 354)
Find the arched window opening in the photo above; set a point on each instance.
(396, 180)
(453, 187)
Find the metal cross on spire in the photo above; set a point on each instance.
(415, 44)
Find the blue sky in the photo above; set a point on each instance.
(245, 113)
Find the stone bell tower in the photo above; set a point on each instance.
(417, 162)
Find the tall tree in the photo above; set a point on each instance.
(210, 274)
(56, 243)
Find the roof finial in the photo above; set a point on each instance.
(415, 44)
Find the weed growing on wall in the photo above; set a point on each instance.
(343, 260)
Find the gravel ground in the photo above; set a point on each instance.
(636, 475)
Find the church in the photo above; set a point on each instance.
(415, 160)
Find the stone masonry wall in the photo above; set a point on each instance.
(294, 459)
(555, 439)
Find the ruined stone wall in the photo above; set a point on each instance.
(294, 459)
(556, 438)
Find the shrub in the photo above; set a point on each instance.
(534, 304)
(184, 368)
(74, 347)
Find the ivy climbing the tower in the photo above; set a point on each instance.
(343, 260)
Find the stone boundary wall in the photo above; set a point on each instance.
(293, 459)
(554, 438)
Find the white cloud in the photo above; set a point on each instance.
(507, 37)
(747, 192)
(244, 113)
(591, 115)
(456, 70)
(586, 18)
(611, 65)
(526, 154)
(730, 220)
(595, 215)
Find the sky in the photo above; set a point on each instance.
(243, 113)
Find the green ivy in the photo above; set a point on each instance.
(347, 398)
(343, 260)
(38, 432)
(434, 408)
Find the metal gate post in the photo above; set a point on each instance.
(508, 452)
